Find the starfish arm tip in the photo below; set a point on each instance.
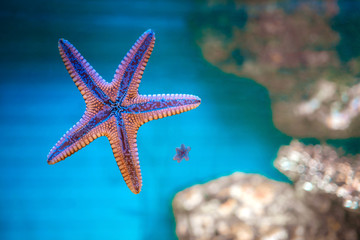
(49, 158)
(136, 191)
(150, 31)
(62, 41)
(135, 188)
(52, 161)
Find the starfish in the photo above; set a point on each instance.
(182, 152)
(116, 110)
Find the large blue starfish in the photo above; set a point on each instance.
(116, 110)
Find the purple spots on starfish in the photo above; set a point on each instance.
(182, 153)
(73, 136)
(126, 151)
(81, 71)
(159, 104)
(131, 68)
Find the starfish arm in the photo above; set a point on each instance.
(129, 73)
(80, 135)
(147, 108)
(122, 137)
(186, 155)
(89, 82)
(177, 155)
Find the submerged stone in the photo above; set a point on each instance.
(251, 207)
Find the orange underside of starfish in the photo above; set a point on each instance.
(116, 110)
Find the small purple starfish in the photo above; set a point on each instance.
(182, 152)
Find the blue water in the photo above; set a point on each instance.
(85, 197)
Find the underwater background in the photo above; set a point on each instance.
(85, 196)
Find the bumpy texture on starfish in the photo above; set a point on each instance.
(182, 152)
(116, 110)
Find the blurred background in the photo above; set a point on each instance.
(266, 71)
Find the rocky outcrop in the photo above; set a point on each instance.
(252, 207)
(322, 169)
(297, 50)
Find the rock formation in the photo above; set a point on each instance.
(295, 50)
(252, 207)
(321, 168)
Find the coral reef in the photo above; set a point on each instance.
(321, 168)
(249, 207)
(292, 49)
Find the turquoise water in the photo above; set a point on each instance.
(85, 197)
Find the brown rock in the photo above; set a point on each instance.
(290, 48)
(321, 168)
(252, 207)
